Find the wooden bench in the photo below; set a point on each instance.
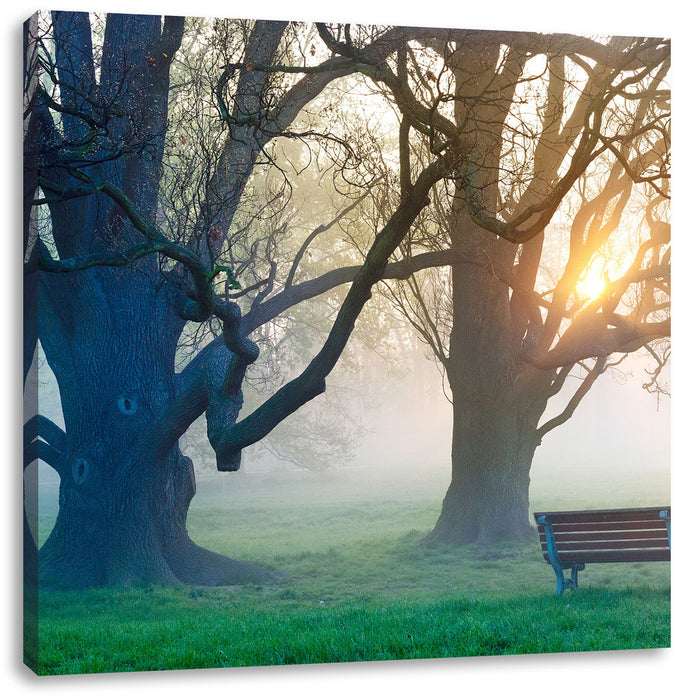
(572, 539)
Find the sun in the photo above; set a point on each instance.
(594, 280)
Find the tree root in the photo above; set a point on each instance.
(195, 565)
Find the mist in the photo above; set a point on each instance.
(613, 452)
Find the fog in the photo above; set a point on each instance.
(614, 451)
(616, 445)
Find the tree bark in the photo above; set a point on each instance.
(497, 400)
(123, 497)
(492, 450)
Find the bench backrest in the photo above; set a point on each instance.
(630, 534)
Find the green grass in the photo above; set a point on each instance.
(361, 586)
(154, 629)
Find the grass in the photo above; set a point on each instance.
(156, 629)
(361, 587)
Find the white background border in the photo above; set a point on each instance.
(627, 675)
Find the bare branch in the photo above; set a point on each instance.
(311, 381)
(579, 394)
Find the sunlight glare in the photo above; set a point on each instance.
(592, 284)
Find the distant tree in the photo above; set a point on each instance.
(511, 322)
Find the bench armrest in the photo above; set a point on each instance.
(665, 515)
(550, 541)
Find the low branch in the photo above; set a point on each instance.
(311, 382)
(401, 270)
(40, 426)
(51, 449)
(579, 394)
(83, 262)
(199, 309)
(47, 453)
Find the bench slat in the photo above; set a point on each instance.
(619, 515)
(595, 536)
(567, 559)
(607, 526)
(608, 544)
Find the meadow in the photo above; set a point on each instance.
(358, 585)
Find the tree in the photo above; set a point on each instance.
(510, 324)
(116, 290)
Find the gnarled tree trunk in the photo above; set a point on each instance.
(112, 310)
(124, 493)
(110, 334)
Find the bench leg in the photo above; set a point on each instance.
(574, 582)
(564, 583)
(561, 581)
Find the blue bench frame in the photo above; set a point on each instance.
(582, 557)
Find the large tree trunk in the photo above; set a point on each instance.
(124, 495)
(110, 334)
(488, 497)
(497, 400)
